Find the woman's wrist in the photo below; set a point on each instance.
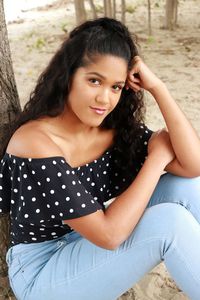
(157, 88)
(158, 160)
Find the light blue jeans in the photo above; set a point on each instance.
(72, 268)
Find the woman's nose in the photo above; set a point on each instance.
(103, 97)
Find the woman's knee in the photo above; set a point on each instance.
(175, 224)
(161, 228)
(175, 184)
(180, 190)
(162, 217)
(165, 219)
(178, 217)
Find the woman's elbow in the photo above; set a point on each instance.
(111, 242)
(111, 246)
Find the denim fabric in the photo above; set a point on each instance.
(72, 268)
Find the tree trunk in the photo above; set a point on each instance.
(9, 98)
(10, 106)
(93, 9)
(176, 12)
(108, 8)
(171, 12)
(81, 15)
(149, 18)
(123, 11)
(114, 9)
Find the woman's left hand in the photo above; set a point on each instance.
(141, 77)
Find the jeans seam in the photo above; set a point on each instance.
(105, 262)
(178, 202)
(182, 257)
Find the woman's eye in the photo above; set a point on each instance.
(117, 87)
(94, 81)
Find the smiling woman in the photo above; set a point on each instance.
(100, 90)
(91, 145)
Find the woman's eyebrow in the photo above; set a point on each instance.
(103, 77)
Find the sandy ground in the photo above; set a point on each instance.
(174, 56)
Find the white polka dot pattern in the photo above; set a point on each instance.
(41, 193)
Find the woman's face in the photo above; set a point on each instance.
(96, 88)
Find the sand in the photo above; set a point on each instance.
(36, 33)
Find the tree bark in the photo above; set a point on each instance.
(114, 9)
(93, 9)
(176, 12)
(81, 15)
(123, 11)
(171, 12)
(149, 18)
(9, 98)
(108, 8)
(10, 106)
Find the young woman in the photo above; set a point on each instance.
(81, 141)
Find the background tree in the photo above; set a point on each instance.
(81, 15)
(93, 9)
(171, 14)
(114, 9)
(123, 11)
(149, 17)
(108, 8)
(10, 106)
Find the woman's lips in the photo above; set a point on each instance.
(99, 111)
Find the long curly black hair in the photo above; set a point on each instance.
(102, 36)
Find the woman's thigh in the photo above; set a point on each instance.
(82, 270)
(180, 190)
(74, 268)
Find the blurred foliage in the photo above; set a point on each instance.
(64, 26)
(130, 9)
(99, 8)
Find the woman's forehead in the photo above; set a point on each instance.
(106, 66)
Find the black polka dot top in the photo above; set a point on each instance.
(39, 193)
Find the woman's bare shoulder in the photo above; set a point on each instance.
(31, 140)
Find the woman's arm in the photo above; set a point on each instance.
(110, 229)
(184, 139)
(174, 166)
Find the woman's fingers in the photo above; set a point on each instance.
(135, 79)
(141, 75)
(134, 85)
(132, 79)
(136, 65)
(136, 58)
